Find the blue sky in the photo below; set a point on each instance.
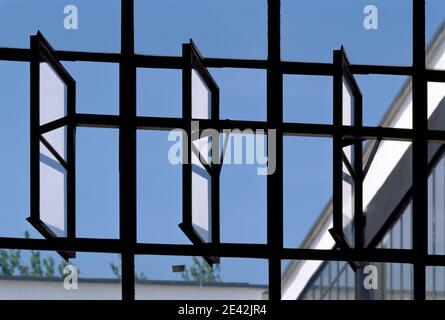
(221, 28)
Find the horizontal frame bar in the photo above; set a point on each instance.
(176, 62)
(236, 250)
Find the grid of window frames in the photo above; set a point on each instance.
(418, 257)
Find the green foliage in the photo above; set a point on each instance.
(117, 271)
(61, 267)
(11, 264)
(201, 272)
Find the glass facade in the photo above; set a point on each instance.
(337, 281)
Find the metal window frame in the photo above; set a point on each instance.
(193, 61)
(344, 76)
(41, 50)
(128, 123)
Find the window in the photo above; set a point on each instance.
(401, 229)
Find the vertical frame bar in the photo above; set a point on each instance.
(34, 130)
(192, 60)
(275, 120)
(41, 51)
(215, 184)
(127, 149)
(71, 161)
(337, 187)
(420, 150)
(186, 153)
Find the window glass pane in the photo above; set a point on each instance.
(435, 283)
(307, 188)
(222, 28)
(242, 93)
(348, 105)
(97, 86)
(386, 100)
(399, 235)
(159, 92)
(436, 209)
(318, 280)
(348, 206)
(53, 98)
(44, 275)
(201, 191)
(201, 98)
(232, 278)
(53, 193)
(307, 99)
(434, 29)
(97, 183)
(243, 188)
(343, 22)
(159, 201)
(98, 24)
(57, 139)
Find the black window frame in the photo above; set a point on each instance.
(193, 61)
(128, 123)
(343, 76)
(41, 51)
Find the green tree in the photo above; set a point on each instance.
(201, 272)
(11, 263)
(117, 271)
(61, 267)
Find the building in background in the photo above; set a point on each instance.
(387, 207)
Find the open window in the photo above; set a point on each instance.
(52, 145)
(347, 228)
(201, 150)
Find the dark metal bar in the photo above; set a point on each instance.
(50, 126)
(216, 166)
(34, 140)
(348, 166)
(173, 62)
(337, 153)
(259, 251)
(368, 164)
(435, 75)
(127, 149)
(275, 119)
(71, 162)
(54, 152)
(288, 129)
(99, 120)
(128, 122)
(420, 150)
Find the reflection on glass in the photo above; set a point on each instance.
(57, 139)
(201, 180)
(201, 190)
(348, 105)
(435, 283)
(436, 209)
(348, 180)
(334, 280)
(53, 184)
(348, 206)
(53, 97)
(201, 95)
